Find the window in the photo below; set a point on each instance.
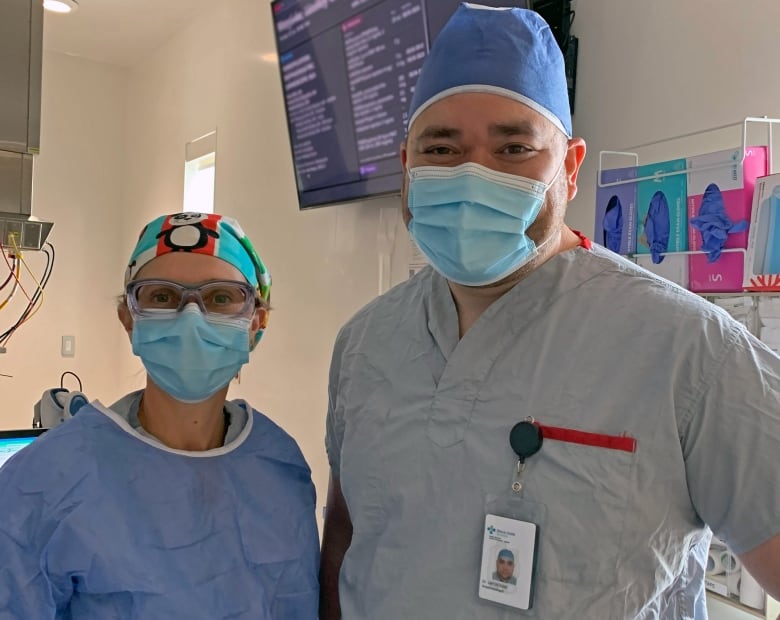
(200, 165)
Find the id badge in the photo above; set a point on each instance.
(510, 552)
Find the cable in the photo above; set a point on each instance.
(17, 257)
(37, 301)
(32, 306)
(11, 267)
(68, 372)
(11, 272)
(16, 283)
(48, 250)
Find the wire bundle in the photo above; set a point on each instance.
(14, 260)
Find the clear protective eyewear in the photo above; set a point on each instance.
(222, 298)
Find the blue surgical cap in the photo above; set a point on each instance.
(506, 553)
(657, 226)
(507, 51)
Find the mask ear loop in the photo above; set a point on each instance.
(546, 190)
(555, 176)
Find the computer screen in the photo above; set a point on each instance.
(348, 70)
(13, 441)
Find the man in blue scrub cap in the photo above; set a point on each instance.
(173, 502)
(505, 567)
(625, 463)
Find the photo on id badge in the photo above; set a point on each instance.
(508, 552)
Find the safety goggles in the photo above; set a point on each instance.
(219, 298)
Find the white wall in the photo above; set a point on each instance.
(323, 262)
(653, 70)
(77, 185)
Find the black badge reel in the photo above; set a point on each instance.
(526, 440)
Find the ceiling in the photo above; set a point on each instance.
(118, 32)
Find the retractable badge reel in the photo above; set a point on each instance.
(526, 440)
(513, 524)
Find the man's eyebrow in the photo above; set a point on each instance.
(438, 132)
(502, 129)
(515, 128)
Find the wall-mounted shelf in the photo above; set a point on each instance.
(632, 151)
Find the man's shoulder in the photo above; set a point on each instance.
(610, 277)
(400, 298)
(615, 291)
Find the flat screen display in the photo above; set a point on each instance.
(13, 441)
(348, 68)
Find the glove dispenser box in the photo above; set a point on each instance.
(762, 268)
(720, 199)
(615, 226)
(661, 215)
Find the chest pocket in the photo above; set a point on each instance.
(586, 491)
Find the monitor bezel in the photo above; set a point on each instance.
(22, 433)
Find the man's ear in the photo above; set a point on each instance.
(575, 154)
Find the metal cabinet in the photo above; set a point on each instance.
(21, 44)
(21, 50)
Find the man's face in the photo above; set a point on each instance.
(498, 133)
(505, 567)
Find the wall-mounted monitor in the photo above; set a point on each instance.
(348, 68)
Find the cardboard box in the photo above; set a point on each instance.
(618, 204)
(717, 585)
(664, 198)
(762, 269)
(674, 267)
(732, 182)
(725, 275)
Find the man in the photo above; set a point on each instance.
(658, 413)
(505, 567)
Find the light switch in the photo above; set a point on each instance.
(68, 346)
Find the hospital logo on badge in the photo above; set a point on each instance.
(491, 529)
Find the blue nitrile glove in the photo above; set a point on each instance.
(713, 223)
(613, 224)
(657, 226)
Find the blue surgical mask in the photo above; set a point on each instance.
(470, 221)
(188, 356)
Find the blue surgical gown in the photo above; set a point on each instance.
(99, 522)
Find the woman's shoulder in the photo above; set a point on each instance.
(267, 439)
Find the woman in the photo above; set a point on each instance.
(174, 502)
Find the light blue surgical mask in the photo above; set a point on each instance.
(470, 221)
(188, 356)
